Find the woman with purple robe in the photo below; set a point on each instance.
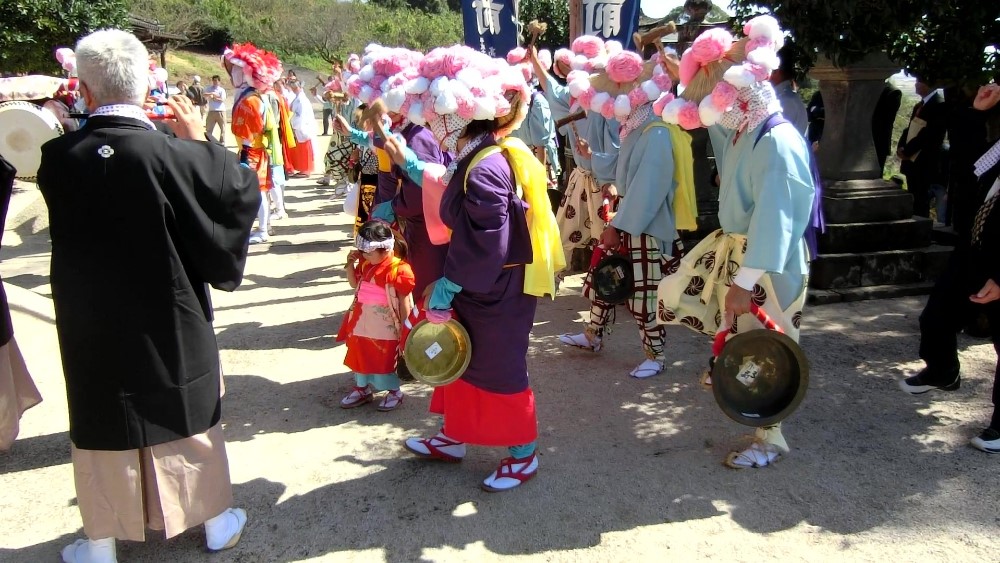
(483, 279)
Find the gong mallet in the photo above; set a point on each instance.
(655, 37)
(535, 28)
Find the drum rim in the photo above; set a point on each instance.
(467, 359)
(628, 268)
(801, 360)
(44, 114)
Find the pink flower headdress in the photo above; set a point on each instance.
(461, 82)
(259, 68)
(625, 84)
(375, 69)
(719, 73)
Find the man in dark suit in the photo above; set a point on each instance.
(920, 147)
(968, 287)
(883, 119)
(142, 222)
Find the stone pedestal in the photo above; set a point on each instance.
(873, 246)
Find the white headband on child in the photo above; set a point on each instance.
(365, 245)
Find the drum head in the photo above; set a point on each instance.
(438, 354)
(613, 279)
(760, 377)
(24, 128)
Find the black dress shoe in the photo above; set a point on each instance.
(988, 441)
(919, 384)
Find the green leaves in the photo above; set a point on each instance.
(33, 30)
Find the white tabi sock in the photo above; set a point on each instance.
(224, 530)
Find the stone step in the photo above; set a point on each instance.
(877, 200)
(841, 238)
(830, 296)
(889, 267)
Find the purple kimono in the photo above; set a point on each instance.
(489, 246)
(427, 259)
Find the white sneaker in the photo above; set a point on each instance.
(581, 341)
(224, 531)
(258, 237)
(648, 368)
(90, 551)
(511, 473)
(278, 215)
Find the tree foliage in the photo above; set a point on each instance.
(555, 13)
(945, 42)
(33, 29)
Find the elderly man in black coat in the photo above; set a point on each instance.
(142, 222)
(970, 285)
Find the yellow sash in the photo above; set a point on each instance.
(685, 202)
(546, 245)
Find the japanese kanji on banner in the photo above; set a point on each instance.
(610, 19)
(490, 25)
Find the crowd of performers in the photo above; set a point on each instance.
(452, 151)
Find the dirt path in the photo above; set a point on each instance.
(630, 469)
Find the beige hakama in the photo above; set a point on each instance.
(170, 487)
(17, 392)
(578, 215)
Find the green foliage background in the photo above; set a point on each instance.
(31, 30)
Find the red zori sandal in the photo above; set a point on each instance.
(512, 473)
(439, 447)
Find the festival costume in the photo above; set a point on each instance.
(765, 201)
(143, 378)
(304, 125)
(372, 325)
(502, 253)
(17, 390)
(647, 176)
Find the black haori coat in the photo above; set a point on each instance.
(141, 222)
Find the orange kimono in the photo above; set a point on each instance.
(372, 325)
(252, 122)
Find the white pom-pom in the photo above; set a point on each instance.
(613, 47)
(446, 103)
(651, 90)
(672, 110)
(599, 100)
(709, 114)
(764, 57)
(579, 62)
(418, 85)
(576, 75)
(599, 62)
(439, 85)
(416, 113)
(485, 109)
(623, 107)
(469, 76)
(739, 76)
(367, 73)
(394, 99)
(366, 94)
(764, 26)
(578, 86)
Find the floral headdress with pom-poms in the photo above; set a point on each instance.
(722, 75)
(380, 69)
(461, 84)
(518, 57)
(625, 84)
(259, 68)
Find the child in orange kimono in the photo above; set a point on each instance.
(371, 328)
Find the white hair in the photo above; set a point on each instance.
(114, 65)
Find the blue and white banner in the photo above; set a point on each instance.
(490, 26)
(610, 19)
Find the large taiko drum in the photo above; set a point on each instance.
(24, 128)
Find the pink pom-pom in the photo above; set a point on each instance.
(354, 86)
(689, 117)
(516, 55)
(545, 58)
(624, 67)
(407, 104)
(576, 75)
(466, 108)
(608, 109)
(661, 102)
(428, 112)
(759, 72)
(637, 97)
(757, 43)
(564, 56)
(587, 97)
(663, 81)
(63, 54)
(724, 95)
(688, 68)
(434, 65)
(711, 45)
(588, 46)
